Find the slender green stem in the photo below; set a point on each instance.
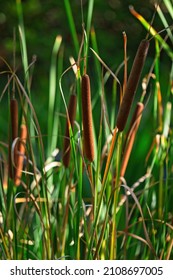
(72, 25)
(113, 248)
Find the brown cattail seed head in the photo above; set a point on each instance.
(72, 115)
(21, 154)
(132, 84)
(87, 119)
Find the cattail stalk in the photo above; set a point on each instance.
(88, 136)
(125, 62)
(21, 154)
(70, 122)
(132, 84)
(14, 135)
(131, 135)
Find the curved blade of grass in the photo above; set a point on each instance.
(152, 31)
(143, 219)
(106, 67)
(45, 208)
(135, 237)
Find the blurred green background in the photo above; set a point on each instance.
(44, 20)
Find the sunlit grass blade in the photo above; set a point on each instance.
(23, 40)
(167, 121)
(57, 106)
(152, 31)
(52, 92)
(169, 7)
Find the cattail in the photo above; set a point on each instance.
(131, 135)
(87, 119)
(132, 84)
(70, 118)
(21, 154)
(14, 134)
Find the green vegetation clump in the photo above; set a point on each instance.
(86, 144)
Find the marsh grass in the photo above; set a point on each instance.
(116, 204)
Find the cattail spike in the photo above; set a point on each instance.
(70, 118)
(132, 84)
(21, 154)
(131, 135)
(87, 119)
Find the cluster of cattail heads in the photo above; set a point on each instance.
(125, 106)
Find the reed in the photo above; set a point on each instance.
(14, 135)
(131, 136)
(132, 84)
(70, 122)
(88, 136)
(21, 154)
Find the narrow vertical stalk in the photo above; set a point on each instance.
(14, 135)
(79, 173)
(110, 155)
(52, 92)
(72, 25)
(70, 122)
(88, 29)
(131, 136)
(113, 247)
(125, 62)
(156, 93)
(79, 196)
(160, 198)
